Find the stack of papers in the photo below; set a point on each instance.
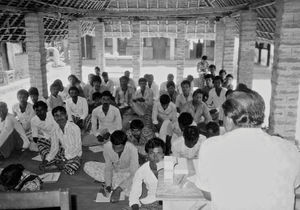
(102, 199)
(50, 177)
(37, 158)
(95, 149)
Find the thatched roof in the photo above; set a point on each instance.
(158, 16)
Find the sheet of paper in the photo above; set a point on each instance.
(37, 158)
(50, 177)
(98, 148)
(102, 199)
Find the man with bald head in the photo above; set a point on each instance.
(12, 134)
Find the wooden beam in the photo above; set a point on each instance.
(263, 3)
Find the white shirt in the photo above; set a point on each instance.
(109, 85)
(247, 169)
(169, 113)
(43, 129)
(127, 162)
(143, 175)
(181, 100)
(179, 149)
(111, 121)
(24, 117)
(155, 90)
(70, 140)
(80, 109)
(8, 126)
(214, 100)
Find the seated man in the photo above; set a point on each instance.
(121, 163)
(12, 134)
(35, 96)
(148, 174)
(152, 85)
(42, 126)
(54, 99)
(174, 130)
(139, 136)
(163, 86)
(198, 108)
(105, 118)
(65, 149)
(188, 145)
(171, 91)
(131, 82)
(163, 110)
(186, 95)
(143, 98)
(96, 88)
(77, 108)
(124, 94)
(89, 86)
(107, 83)
(23, 110)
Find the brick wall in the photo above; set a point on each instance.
(219, 44)
(137, 54)
(286, 69)
(180, 50)
(36, 52)
(228, 53)
(75, 48)
(248, 22)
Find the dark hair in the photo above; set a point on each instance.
(222, 71)
(104, 74)
(33, 91)
(96, 79)
(136, 124)
(207, 76)
(185, 119)
(53, 85)
(170, 83)
(164, 99)
(184, 82)
(214, 127)
(59, 109)
(40, 104)
(142, 79)
(229, 75)
(154, 143)
(228, 92)
(191, 134)
(106, 93)
(11, 175)
(246, 109)
(97, 68)
(74, 77)
(124, 78)
(23, 92)
(204, 57)
(118, 137)
(73, 88)
(217, 78)
(242, 87)
(198, 91)
(58, 82)
(212, 66)
(96, 95)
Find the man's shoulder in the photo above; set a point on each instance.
(130, 146)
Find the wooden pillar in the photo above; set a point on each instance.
(228, 52)
(35, 46)
(100, 45)
(115, 46)
(66, 51)
(180, 50)
(2, 73)
(248, 22)
(219, 44)
(75, 48)
(137, 49)
(3, 52)
(172, 48)
(286, 70)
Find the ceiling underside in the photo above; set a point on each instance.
(156, 16)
